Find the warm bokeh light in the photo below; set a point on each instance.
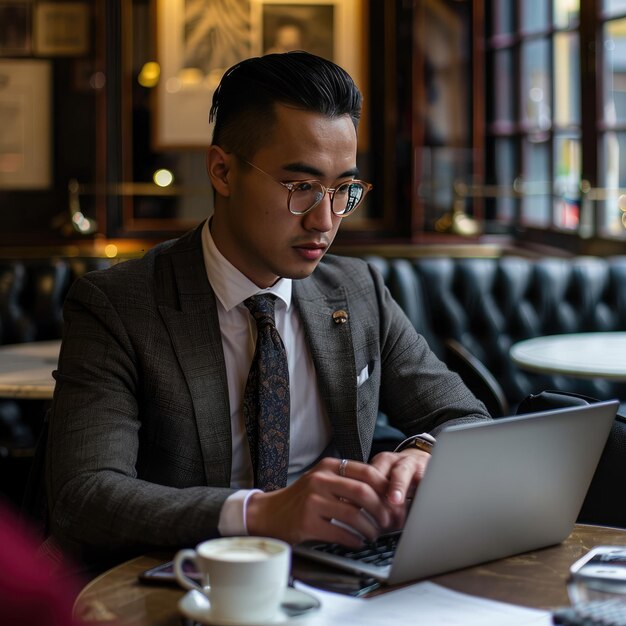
(190, 77)
(83, 224)
(172, 85)
(163, 178)
(149, 75)
(97, 80)
(110, 250)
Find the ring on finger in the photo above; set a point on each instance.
(342, 467)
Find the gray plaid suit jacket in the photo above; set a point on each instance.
(139, 450)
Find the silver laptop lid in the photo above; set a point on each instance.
(494, 489)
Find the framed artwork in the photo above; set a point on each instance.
(25, 87)
(15, 28)
(198, 40)
(332, 29)
(447, 72)
(61, 28)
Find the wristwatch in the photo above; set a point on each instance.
(424, 442)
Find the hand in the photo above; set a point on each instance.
(403, 470)
(304, 509)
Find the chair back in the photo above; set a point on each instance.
(604, 503)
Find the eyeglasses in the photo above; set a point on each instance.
(305, 195)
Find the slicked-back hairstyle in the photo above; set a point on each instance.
(243, 104)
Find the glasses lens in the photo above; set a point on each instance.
(348, 197)
(304, 196)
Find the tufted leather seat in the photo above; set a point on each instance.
(32, 292)
(487, 304)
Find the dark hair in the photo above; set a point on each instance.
(243, 104)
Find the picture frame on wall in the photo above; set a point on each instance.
(61, 28)
(198, 40)
(332, 29)
(15, 28)
(25, 134)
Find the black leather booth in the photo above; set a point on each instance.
(31, 299)
(487, 304)
(32, 293)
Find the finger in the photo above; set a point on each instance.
(344, 515)
(359, 525)
(337, 532)
(360, 495)
(405, 473)
(363, 523)
(355, 520)
(398, 515)
(362, 472)
(343, 465)
(383, 462)
(359, 539)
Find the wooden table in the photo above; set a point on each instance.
(26, 369)
(535, 579)
(583, 355)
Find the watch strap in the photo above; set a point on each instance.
(423, 441)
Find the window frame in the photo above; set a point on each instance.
(587, 234)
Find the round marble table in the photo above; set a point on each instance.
(583, 355)
(26, 369)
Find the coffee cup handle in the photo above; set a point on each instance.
(181, 577)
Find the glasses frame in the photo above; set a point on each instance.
(293, 185)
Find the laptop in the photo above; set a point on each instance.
(491, 490)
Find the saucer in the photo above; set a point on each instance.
(196, 606)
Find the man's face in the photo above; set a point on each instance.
(252, 226)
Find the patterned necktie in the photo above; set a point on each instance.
(266, 399)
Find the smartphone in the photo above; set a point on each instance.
(164, 573)
(600, 574)
(329, 578)
(320, 577)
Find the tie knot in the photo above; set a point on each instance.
(261, 307)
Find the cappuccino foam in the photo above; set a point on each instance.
(241, 554)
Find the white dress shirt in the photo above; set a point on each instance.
(310, 429)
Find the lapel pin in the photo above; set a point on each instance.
(340, 316)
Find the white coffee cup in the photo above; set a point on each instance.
(243, 577)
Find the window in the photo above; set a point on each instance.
(534, 134)
(612, 133)
(556, 122)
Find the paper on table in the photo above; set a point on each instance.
(426, 604)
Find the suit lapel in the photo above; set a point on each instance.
(187, 305)
(331, 347)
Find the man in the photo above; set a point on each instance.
(148, 435)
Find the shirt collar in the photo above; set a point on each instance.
(231, 287)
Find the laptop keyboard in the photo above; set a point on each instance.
(379, 553)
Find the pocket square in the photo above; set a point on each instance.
(363, 376)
